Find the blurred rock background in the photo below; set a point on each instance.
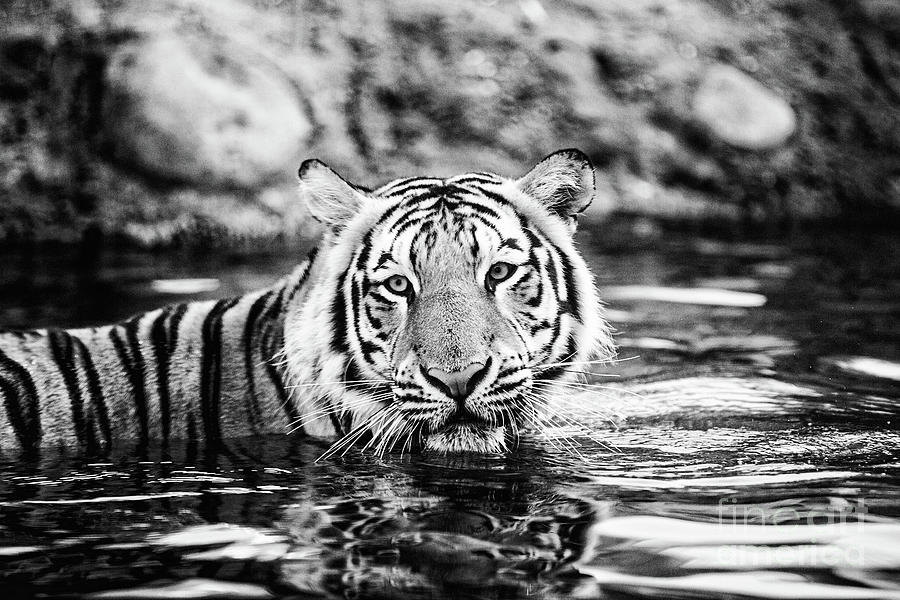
(183, 121)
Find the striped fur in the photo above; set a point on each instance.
(329, 350)
(201, 371)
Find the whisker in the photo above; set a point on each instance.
(594, 387)
(344, 405)
(395, 437)
(603, 361)
(591, 373)
(591, 410)
(376, 434)
(324, 411)
(544, 424)
(350, 438)
(560, 386)
(345, 442)
(566, 440)
(585, 430)
(355, 382)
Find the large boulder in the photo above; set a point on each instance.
(740, 111)
(184, 109)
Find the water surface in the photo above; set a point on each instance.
(746, 445)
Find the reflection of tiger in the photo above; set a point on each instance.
(425, 319)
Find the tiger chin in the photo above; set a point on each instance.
(435, 314)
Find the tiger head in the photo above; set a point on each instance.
(436, 305)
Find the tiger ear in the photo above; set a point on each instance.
(563, 182)
(328, 196)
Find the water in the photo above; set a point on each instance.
(748, 446)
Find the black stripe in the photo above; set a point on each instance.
(252, 331)
(310, 258)
(191, 429)
(363, 254)
(129, 353)
(475, 178)
(278, 381)
(440, 190)
(21, 400)
(357, 318)
(536, 327)
(270, 344)
(502, 388)
(418, 183)
(211, 369)
(335, 422)
(510, 243)
(573, 300)
(339, 318)
(478, 208)
(495, 197)
(533, 259)
(383, 259)
(61, 349)
(572, 303)
(273, 340)
(550, 374)
(377, 297)
(99, 410)
(408, 205)
(476, 247)
(164, 340)
(172, 337)
(392, 185)
(159, 342)
(370, 316)
(274, 308)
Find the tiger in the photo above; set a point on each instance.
(423, 320)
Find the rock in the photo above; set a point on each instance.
(183, 121)
(185, 109)
(740, 111)
(883, 13)
(85, 14)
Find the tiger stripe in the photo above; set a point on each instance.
(251, 333)
(128, 351)
(21, 402)
(61, 348)
(98, 414)
(210, 374)
(163, 339)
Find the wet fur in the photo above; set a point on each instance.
(317, 353)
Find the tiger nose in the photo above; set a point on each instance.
(457, 384)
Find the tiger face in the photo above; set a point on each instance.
(436, 304)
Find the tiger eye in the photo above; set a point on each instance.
(498, 272)
(398, 284)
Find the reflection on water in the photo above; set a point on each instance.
(748, 446)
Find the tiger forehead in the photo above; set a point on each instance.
(446, 203)
(447, 233)
(415, 185)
